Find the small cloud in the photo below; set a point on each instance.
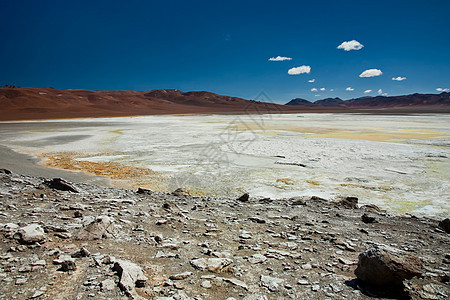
(442, 90)
(322, 89)
(317, 95)
(312, 80)
(350, 45)
(332, 90)
(384, 94)
(371, 73)
(280, 58)
(380, 91)
(399, 78)
(350, 89)
(313, 90)
(367, 91)
(299, 70)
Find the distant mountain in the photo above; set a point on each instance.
(413, 100)
(48, 103)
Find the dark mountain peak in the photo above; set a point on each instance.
(300, 101)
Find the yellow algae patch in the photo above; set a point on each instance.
(376, 136)
(405, 206)
(367, 187)
(285, 181)
(123, 175)
(313, 182)
(270, 127)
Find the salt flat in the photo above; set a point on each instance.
(400, 163)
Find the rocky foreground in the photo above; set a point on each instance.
(67, 241)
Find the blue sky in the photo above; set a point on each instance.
(225, 46)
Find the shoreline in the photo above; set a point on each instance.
(30, 165)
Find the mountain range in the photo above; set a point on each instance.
(413, 100)
(47, 103)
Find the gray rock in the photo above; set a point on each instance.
(131, 276)
(108, 285)
(100, 227)
(211, 264)
(68, 265)
(236, 282)
(257, 258)
(180, 276)
(381, 265)
(30, 234)
(255, 297)
(272, 283)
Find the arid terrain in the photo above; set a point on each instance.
(81, 241)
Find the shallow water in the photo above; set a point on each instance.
(400, 163)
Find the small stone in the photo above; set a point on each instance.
(244, 198)
(303, 282)
(211, 264)
(68, 265)
(272, 283)
(77, 214)
(21, 281)
(315, 288)
(206, 284)
(82, 252)
(367, 219)
(306, 267)
(257, 258)
(180, 276)
(162, 222)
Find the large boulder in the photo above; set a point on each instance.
(60, 184)
(30, 234)
(98, 228)
(131, 276)
(381, 265)
(445, 225)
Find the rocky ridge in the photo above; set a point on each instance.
(81, 241)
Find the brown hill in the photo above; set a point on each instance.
(48, 103)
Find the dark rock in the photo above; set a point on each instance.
(68, 265)
(244, 198)
(317, 198)
(60, 184)
(445, 225)
(349, 202)
(144, 191)
(82, 252)
(5, 171)
(180, 192)
(381, 265)
(77, 214)
(367, 219)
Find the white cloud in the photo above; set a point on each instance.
(350, 45)
(312, 80)
(371, 73)
(313, 90)
(322, 89)
(317, 95)
(367, 91)
(332, 90)
(350, 89)
(399, 78)
(380, 91)
(280, 58)
(299, 70)
(442, 90)
(384, 94)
